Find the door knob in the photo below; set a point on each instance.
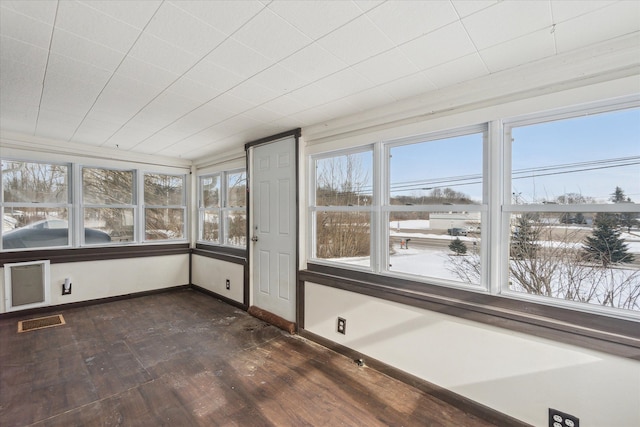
(254, 239)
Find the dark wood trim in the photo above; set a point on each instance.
(222, 298)
(463, 403)
(56, 256)
(228, 257)
(602, 333)
(293, 132)
(50, 308)
(299, 302)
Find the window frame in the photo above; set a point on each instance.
(495, 234)
(182, 206)
(223, 210)
(68, 205)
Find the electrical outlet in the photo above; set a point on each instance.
(560, 419)
(228, 284)
(342, 326)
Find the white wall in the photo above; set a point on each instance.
(108, 278)
(211, 274)
(517, 374)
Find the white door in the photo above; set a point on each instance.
(273, 228)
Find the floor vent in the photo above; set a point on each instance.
(40, 323)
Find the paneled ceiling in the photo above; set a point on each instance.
(192, 78)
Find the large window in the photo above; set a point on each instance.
(109, 204)
(424, 220)
(36, 205)
(571, 212)
(543, 208)
(222, 208)
(164, 206)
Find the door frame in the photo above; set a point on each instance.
(248, 288)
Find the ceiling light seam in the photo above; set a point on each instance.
(553, 29)
(477, 51)
(113, 74)
(46, 67)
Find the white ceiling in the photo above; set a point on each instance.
(191, 78)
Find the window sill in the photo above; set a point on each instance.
(57, 256)
(224, 253)
(596, 332)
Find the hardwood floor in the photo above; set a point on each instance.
(183, 358)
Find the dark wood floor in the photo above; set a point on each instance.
(183, 358)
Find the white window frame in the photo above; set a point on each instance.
(182, 206)
(507, 207)
(68, 205)
(223, 209)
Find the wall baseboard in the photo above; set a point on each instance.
(49, 308)
(464, 404)
(229, 301)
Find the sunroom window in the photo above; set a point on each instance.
(164, 206)
(571, 212)
(36, 205)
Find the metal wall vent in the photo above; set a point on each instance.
(40, 323)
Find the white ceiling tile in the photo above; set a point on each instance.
(385, 67)
(238, 58)
(177, 27)
(226, 16)
(565, 10)
(466, 7)
(313, 62)
(77, 70)
(462, 69)
(284, 105)
(406, 87)
(24, 53)
(193, 90)
(507, 20)
(129, 136)
(262, 115)
(18, 117)
(366, 5)
(316, 18)
(358, 40)
(253, 93)
(72, 46)
(161, 54)
(59, 124)
(20, 83)
(230, 103)
(438, 47)
(279, 79)
(405, 20)
(331, 88)
(91, 24)
(134, 13)
(40, 10)
(598, 26)
(271, 35)
(370, 98)
(519, 51)
(94, 132)
(24, 28)
(209, 74)
(150, 74)
(72, 96)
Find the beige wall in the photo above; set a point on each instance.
(517, 374)
(108, 278)
(211, 274)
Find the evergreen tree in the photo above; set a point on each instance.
(524, 238)
(579, 218)
(605, 245)
(458, 246)
(618, 196)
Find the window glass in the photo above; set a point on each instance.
(210, 191)
(210, 226)
(163, 190)
(578, 160)
(345, 180)
(34, 182)
(443, 171)
(165, 209)
(108, 224)
(107, 186)
(36, 205)
(236, 226)
(558, 248)
(442, 245)
(236, 189)
(344, 237)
